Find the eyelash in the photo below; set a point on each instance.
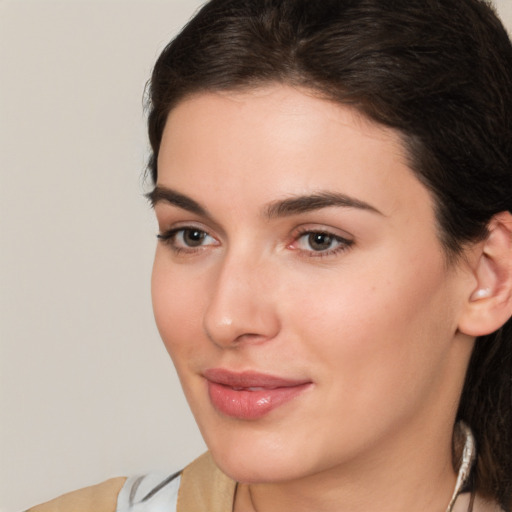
(169, 239)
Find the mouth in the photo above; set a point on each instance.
(250, 395)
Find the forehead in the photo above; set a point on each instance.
(275, 103)
(281, 140)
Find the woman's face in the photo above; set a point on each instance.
(300, 287)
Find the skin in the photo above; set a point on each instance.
(371, 320)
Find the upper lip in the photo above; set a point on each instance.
(250, 379)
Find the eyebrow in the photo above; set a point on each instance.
(307, 203)
(280, 208)
(163, 194)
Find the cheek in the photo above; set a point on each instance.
(176, 306)
(378, 326)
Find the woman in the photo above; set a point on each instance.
(333, 278)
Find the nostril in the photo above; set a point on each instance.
(230, 333)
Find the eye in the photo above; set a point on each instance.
(190, 237)
(320, 243)
(187, 239)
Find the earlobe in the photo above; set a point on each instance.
(481, 293)
(489, 304)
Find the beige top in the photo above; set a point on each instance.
(203, 488)
(97, 498)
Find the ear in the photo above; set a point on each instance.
(489, 303)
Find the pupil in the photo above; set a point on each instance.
(193, 237)
(319, 241)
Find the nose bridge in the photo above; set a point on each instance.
(240, 306)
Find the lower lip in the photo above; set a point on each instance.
(251, 405)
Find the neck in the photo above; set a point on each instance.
(414, 473)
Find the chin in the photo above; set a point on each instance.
(257, 462)
(256, 472)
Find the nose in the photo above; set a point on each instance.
(241, 308)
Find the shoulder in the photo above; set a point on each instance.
(97, 498)
(145, 493)
(200, 486)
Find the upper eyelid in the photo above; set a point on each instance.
(334, 232)
(166, 211)
(168, 227)
(176, 229)
(322, 228)
(340, 238)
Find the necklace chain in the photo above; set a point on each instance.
(468, 459)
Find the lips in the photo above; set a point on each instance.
(250, 395)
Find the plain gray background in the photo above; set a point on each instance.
(87, 390)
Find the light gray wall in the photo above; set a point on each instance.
(86, 388)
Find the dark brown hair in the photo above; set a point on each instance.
(437, 71)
